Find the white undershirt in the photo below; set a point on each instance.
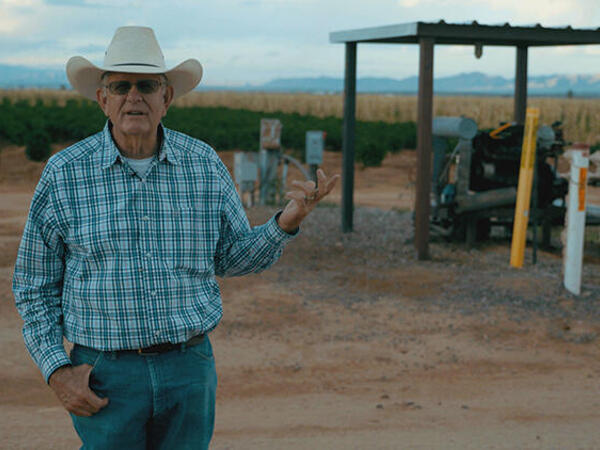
(140, 166)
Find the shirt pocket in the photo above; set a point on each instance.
(188, 240)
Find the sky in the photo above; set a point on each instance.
(254, 41)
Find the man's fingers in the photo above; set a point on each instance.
(295, 195)
(321, 177)
(325, 184)
(307, 186)
(80, 412)
(309, 189)
(79, 405)
(330, 184)
(72, 388)
(333, 180)
(83, 404)
(93, 403)
(96, 402)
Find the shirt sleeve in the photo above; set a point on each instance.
(38, 280)
(242, 249)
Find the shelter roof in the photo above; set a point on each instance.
(469, 34)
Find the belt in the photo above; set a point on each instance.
(167, 347)
(158, 348)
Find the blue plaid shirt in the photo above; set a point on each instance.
(113, 261)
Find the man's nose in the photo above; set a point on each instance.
(134, 95)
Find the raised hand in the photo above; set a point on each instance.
(304, 199)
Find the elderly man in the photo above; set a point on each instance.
(126, 233)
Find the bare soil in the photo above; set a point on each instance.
(349, 342)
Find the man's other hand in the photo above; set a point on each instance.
(304, 199)
(71, 386)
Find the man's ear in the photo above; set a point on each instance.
(168, 97)
(101, 99)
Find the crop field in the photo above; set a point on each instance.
(39, 121)
(581, 117)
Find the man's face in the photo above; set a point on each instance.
(134, 113)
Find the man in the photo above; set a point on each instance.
(126, 232)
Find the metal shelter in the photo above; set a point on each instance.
(427, 35)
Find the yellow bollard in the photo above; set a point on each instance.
(517, 251)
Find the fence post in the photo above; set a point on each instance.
(574, 231)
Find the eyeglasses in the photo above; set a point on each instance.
(143, 86)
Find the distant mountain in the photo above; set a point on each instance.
(463, 83)
(327, 84)
(24, 76)
(475, 82)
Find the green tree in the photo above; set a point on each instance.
(37, 145)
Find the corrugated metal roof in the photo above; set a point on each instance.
(469, 34)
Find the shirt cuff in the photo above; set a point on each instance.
(275, 234)
(51, 359)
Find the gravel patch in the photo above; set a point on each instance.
(324, 263)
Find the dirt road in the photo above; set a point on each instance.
(355, 345)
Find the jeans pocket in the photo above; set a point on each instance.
(203, 350)
(81, 355)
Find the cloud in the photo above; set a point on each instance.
(578, 13)
(92, 48)
(256, 40)
(69, 3)
(18, 3)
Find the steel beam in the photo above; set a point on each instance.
(424, 144)
(348, 138)
(520, 85)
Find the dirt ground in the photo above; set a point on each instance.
(331, 351)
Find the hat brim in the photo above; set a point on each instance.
(85, 77)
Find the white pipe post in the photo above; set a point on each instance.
(573, 234)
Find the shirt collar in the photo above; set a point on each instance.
(111, 154)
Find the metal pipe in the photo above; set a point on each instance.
(299, 166)
(458, 127)
(486, 199)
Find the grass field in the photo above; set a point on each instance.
(581, 117)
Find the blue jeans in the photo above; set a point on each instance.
(162, 401)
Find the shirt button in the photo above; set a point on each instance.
(153, 293)
(149, 255)
(146, 218)
(157, 333)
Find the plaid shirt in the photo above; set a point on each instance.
(113, 261)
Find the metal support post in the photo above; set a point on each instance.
(348, 138)
(520, 86)
(424, 143)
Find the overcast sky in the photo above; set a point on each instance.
(253, 41)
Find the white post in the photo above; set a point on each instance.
(573, 234)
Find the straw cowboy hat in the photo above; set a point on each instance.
(132, 50)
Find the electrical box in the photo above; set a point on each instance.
(245, 168)
(270, 134)
(315, 142)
